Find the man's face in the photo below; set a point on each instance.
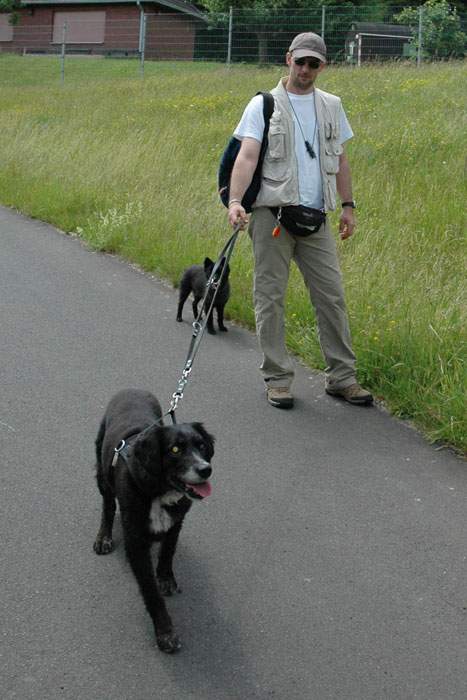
(302, 73)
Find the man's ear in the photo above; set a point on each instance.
(208, 264)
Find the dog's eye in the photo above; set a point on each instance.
(175, 450)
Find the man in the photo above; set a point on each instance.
(304, 165)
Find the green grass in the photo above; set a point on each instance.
(131, 164)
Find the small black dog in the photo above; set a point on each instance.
(194, 280)
(156, 475)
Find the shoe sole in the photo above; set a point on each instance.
(288, 403)
(358, 402)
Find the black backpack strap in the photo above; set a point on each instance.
(268, 109)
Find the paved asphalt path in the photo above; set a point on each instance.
(329, 562)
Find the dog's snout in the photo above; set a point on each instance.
(205, 472)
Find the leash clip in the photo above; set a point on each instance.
(117, 451)
(196, 328)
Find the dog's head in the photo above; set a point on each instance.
(177, 456)
(208, 268)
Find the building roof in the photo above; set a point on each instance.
(176, 5)
(381, 28)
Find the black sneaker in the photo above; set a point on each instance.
(279, 396)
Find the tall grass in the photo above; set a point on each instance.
(131, 164)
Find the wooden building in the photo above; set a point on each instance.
(166, 29)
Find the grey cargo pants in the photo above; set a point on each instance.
(316, 257)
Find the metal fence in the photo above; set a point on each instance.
(354, 35)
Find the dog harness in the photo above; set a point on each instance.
(120, 451)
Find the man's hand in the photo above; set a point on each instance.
(347, 223)
(237, 215)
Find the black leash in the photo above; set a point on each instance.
(199, 325)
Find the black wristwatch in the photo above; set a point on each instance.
(350, 204)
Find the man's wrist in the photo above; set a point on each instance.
(349, 203)
(234, 201)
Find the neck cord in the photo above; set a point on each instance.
(308, 146)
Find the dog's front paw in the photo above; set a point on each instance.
(223, 328)
(169, 643)
(179, 319)
(211, 331)
(103, 545)
(168, 585)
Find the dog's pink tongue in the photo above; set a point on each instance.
(202, 490)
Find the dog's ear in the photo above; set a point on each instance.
(224, 264)
(208, 264)
(207, 437)
(148, 447)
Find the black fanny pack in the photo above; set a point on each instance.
(299, 220)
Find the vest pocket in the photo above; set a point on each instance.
(332, 130)
(332, 151)
(275, 163)
(330, 193)
(276, 138)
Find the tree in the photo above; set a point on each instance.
(264, 18)
(10, 6)
(442, 36)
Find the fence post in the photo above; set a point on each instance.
(142, 42)
(62, 55)
(420, 26)
(229, 45)
(323, 20)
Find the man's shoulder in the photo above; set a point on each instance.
(255, 103)
(328, 97)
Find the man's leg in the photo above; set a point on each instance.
(272, 265)
(316, 256)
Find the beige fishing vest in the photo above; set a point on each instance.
(279, 185)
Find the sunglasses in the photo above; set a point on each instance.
(313, 63)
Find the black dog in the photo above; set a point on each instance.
(156, 475)
(194, 280)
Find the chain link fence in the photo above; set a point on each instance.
(354, 35)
